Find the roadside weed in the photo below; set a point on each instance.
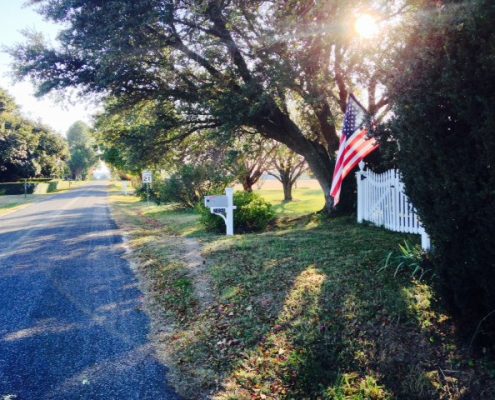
(410, 258)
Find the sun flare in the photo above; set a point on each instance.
(366, 26)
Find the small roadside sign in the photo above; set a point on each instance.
(147, 177)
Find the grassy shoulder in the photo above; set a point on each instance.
(300, 312)
(12, 203)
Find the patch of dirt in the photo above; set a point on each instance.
(196, 266)
(189, 252)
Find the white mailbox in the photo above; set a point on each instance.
(216, 201)
(223, 206)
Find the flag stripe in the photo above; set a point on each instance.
(346, 145)
(354, 146)
(350, 150)
(365, 150)
(342, 157)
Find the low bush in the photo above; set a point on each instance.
(253, 214)
(13, 188)
(153, 191)
(52, 186)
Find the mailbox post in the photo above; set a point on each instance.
(223, 206)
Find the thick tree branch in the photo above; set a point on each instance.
(215, 15)
(340, 78)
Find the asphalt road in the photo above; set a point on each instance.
(71, 322)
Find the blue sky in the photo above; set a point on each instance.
(58, 114)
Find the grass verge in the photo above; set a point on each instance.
(12, 203)
(302, 312)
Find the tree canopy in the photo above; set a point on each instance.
(28, 149)
(280, 68)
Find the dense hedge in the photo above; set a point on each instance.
(253, 214)
(444, 106)
(39, 187)
(40, 179)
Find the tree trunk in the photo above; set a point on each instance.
(278, 126)
(322, 168)
(247, 184)
(287, 184)
(320, 164)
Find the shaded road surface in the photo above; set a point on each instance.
(71, 325)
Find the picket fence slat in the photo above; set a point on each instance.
(383, 202)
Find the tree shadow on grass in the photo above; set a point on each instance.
(304, 313)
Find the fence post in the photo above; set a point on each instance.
(360, 192)
(425, 241)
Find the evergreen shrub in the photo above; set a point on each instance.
(443, 96)
(253, 214)
(33, 187)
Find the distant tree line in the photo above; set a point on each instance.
(28, 149)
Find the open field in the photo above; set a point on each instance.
(301, 312)
(273, 184)
(13, 203)
(305, 201)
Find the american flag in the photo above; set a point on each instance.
(354, 145)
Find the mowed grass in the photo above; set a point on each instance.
(305, 201)
(301, 312)
(11, 203)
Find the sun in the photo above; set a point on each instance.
(366, 26)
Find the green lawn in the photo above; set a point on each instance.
(11, 203)
(301, 312)
(305, 201)
(185, 222)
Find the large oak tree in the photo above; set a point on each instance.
(282, 68)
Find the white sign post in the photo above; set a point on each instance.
(147, 177)
(147, 180)
(223, 206)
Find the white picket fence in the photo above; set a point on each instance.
(382, 201)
